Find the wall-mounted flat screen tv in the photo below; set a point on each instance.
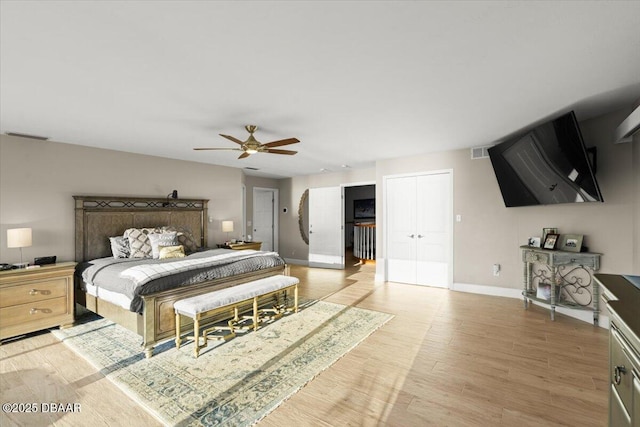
(549, 164)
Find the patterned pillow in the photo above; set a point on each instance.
(162, 239)
(185, 238)
(171, 252)
(139, 241)
(120, 247)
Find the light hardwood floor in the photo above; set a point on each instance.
(446, 358)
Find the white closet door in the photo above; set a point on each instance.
(418, 224)
(326, 239)
(433, 225)
(401, 220)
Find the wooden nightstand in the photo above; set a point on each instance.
(34, 299)
(241, 246)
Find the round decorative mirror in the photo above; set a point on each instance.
(303, 216)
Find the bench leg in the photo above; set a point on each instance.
(196, 337)
(295, 299)
(255, 313)
(178, 340)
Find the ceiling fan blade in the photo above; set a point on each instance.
(244, 155)
(221, 149)
(272, 151)
(232, 138)
(281, 142)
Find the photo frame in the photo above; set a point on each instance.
(550, 241)
(534, 242)
(570, 242)
(545, 231)
(364, 209)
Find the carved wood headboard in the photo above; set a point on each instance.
(101, 217)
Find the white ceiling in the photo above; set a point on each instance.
(355, 81)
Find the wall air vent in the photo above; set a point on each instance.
(26, 135)
(480, 152)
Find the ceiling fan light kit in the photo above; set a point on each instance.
(252, 146)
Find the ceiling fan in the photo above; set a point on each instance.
(251, 145)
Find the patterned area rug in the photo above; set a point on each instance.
(231, 384)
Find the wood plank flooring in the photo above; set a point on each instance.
(446, 358)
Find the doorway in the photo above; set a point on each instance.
(265, 218)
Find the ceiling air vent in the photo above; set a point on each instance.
(480, 152)
(251, 169)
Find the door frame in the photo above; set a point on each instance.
(274, 213)
(385, 238)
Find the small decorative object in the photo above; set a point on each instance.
(544, 291)
(571, 242)
(534, 242)
(172, 195)
(546, 231)
(550, 241)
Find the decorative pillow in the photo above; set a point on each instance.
(185, 238)
(139, 243)
(161, 239)
(120, 247)
(171, 252)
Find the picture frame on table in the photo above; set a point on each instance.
(534, 242)
(549, 230)
(550, 241)
(570, 242)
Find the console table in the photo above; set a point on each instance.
(567, 275)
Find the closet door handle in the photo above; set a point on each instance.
(411, 235)
(420, 236)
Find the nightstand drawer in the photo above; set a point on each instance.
(34, 291)
(541, 258)
(33, 312)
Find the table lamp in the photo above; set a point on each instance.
(19, 238)
(227, 227)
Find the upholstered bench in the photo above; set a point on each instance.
(230, 299)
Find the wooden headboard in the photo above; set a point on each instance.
(101, 217)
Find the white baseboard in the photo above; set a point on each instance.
(584, 315)
(296, 261)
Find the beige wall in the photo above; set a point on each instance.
(38, 180)
(490, 233)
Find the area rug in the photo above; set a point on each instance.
(234, 383)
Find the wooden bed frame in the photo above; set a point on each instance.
(99, 217)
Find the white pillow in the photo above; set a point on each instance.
(162, 239)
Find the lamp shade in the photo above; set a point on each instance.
(18, 237)
(227, 226)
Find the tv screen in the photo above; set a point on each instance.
(547, 165)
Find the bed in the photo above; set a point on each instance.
(151, 315)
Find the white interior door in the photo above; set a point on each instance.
(264, 218)
(326, 239)
(401, 220)
(418, 224)
(433, 229)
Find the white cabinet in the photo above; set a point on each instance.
(418, 224)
